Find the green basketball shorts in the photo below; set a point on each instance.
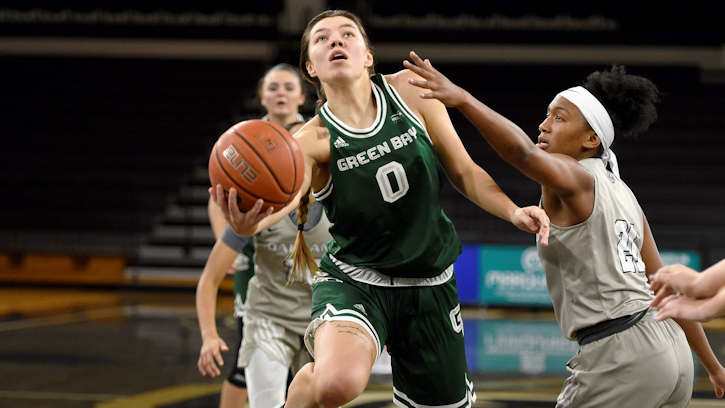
(420, 325)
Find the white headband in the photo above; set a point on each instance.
(598, 118)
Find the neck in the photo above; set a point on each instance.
(353, 103)
(588, 153)
(283, 120)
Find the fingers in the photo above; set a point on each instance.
(210, 356)
(544, 234)
(719, 392)
(667, 300)
(212, 194)
(218, 357)
(661, 315)
(661, 295)
(232, 206)
(668, 308)
(252, 215)
(263, 215)
(419, 84)
(415, 68)
(654, 283)
(221, 201)
(419, 66)
(543, 221)
(200, 366)
(206, 365)
(422, 63)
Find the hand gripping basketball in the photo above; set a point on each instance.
(260, 160)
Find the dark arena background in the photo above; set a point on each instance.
(109, 114)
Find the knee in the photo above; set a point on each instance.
(337, 390)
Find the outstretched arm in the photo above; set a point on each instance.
(688, 282)
(677, 306)
(697, 296)
(558, 172)
(696, 337)
(468, 177)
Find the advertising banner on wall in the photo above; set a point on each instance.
(519, 346)
(513, 275)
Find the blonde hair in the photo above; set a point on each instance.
(302, 258)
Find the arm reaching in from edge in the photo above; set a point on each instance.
(696, 337)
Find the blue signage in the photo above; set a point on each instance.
(513, 275)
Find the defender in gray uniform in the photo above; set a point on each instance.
(276, 314)
(600, 245)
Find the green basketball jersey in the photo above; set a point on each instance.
(383, 196)
(244, 272)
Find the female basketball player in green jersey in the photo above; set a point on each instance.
(600, 245)
(373, 156)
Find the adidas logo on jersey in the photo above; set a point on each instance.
(360, 307)
(340, 143)
(396, 117)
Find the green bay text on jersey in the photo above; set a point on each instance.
(383, 195)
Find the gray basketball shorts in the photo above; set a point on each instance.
(420, 325)
(647, 365)
(278, 342)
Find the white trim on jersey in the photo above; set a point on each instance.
(382, 110)
(375, 278)
(402, 400)
(325, 192)
(395, 96)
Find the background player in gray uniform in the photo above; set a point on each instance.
(697, 296)
(276, 316)
(281, 93)
(375, 167)
(600, 243)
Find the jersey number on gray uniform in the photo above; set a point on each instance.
(628, 252)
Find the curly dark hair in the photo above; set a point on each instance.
(629, 99)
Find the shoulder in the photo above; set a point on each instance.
(314, 139)
(399, 81)
(410, 94)
(312, 131)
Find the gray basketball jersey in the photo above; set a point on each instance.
(267, 295)
(594, 270)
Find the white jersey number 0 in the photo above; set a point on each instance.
(390, 193)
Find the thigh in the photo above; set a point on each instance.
(300, 358)
(427, 349)
(341, 301)
(614, 371)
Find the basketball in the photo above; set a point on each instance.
(259, 159)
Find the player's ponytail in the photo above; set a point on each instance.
(302, 258)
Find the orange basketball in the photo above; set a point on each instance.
(259, 159)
